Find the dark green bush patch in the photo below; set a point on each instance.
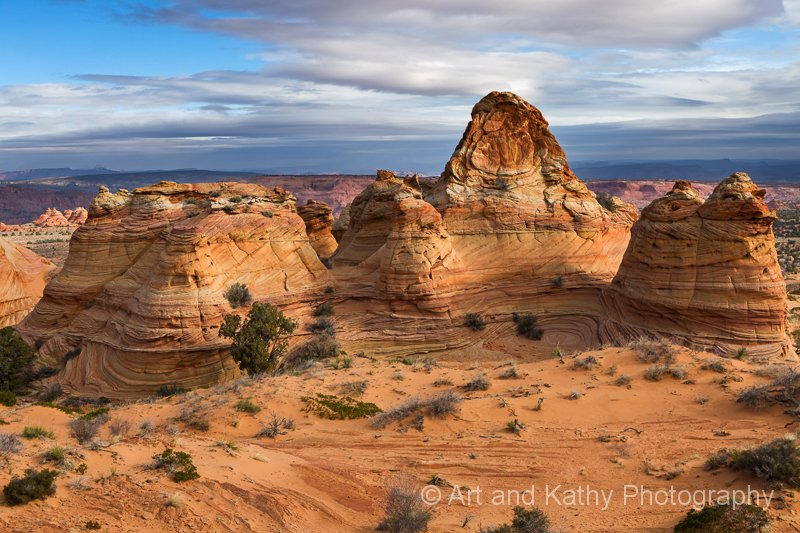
(178, 464)
(35, 485)
(724, 518)
(335, 408)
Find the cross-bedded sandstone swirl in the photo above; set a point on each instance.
(23, 275)
(318, 217)
(140, 297)
(703, 273)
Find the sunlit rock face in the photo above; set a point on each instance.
(23, 275)
(318, 217)
(140, 298)
(703, 273)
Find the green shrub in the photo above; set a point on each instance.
(92, 524)
(527, 326)
(165, 391)
(267, 214)
(35, 485)
(8, 398)
(259, 342)
(478, 383)
(238, 295)
(178, 464)
(16, 361)
(777, 460)
(655, 373)
(37, 432)
(246, 406)
(336, 408)
(323, 325)
(235, 199)
(215, 194)
(101, 413)
(325, 309)
(724, 518)
(474, 321)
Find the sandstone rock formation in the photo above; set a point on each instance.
(51, 218)
(319, 222)
(140, 297)
(370, 220)
(76, 216)
(703, 273)
(418, 257)
(512, 205)
(341, 223)
(23, 275)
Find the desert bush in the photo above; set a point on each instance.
(474, 321)
(235, 199)
(52, 393)
(261, 340)
(742, 354)
(717, 460)
(606, 201)
(677, 372)
(443, 382)
(92, 524)
(84, 429)
(478, 383)
(247, 406)
(575, 395)
(788, 386)
(438, 406)
(323, 325)
(724, 518)
(510, 373)
(267, 214)
(336, 408)
(527, 326)
(318, 348)
(9, 445)
(530, 520)
(354, 388)
(325, 309)
(229, 209)
(195, 417)
(100, 414)
(16, 361)
(35, 485)
(275, 426)
(755, 397)
(177, 464)
(406, 512)
(777, 460)
(215, 194)
(37, 432)
(238, 295)
(623, 380)
(8, 398)
(652, 351)
(146, 427)
(119, 427)
(716, 365)
(172, 389)
(344, 361)
(655, 373)
(57, 456)
(586, 363)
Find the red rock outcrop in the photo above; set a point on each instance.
(370, 220)
(512, 205)
(140, 297)
(318, 217)
(418, 257)
(51, 218)
(76, 216)
(703, 273)
(23, 275)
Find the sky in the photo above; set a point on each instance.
(353, 85)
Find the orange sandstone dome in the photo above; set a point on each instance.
(23, 276)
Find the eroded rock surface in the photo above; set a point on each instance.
(23, 275)
(318, 217)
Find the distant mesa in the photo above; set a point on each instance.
(705, 274)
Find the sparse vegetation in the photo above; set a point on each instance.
(16, 361)
(717, 365)
(524, 520)
(173, 389)
(474, 321)
(742, 354)
(776, 461)
(325, 309)
(527, 326)
(339, 408)
(406, 512)
(177, 464)
(35, 485)
(724, 518)
(623, 380)
(652, 351)
(478, 383)
(238, 295)
(8, 398)
(276, 426)
(585, 363)
(575, 395)
(37, 432)
(247, 406)
(354, 388)
(84, 430)
(655, 373)
(438, 406)
(755, 397)
(606, 201)
(323, 325)
(9, 445)
(119, 428)
(318, 348)
(259, 342)
(510, 373)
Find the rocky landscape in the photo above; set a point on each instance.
(576, 340)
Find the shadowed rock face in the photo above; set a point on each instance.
(703, 273)
(23, 276)
(141, 293)
(318, 218)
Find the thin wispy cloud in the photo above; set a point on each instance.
(653, 80)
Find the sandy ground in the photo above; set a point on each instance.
(50, 243)
(332, 475)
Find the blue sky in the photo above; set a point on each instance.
(349, 86)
